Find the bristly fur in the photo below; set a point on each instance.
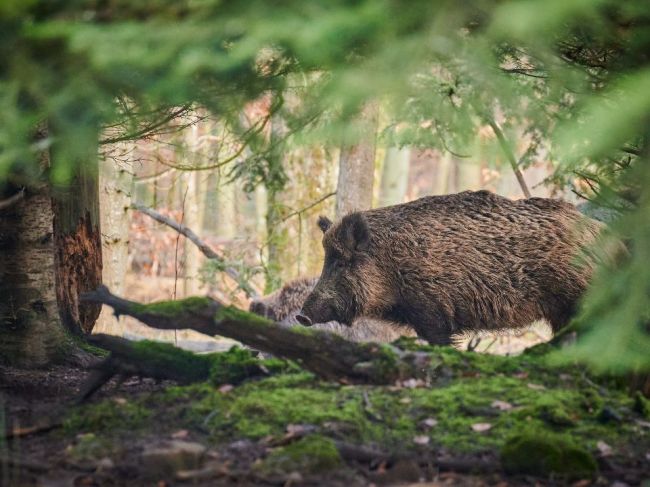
(445, 265)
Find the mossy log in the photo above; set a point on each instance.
(326, 355)
(163, 361)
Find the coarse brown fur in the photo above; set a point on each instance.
(283, 305)
(446, 265)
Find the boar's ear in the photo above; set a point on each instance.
(324, 223)
(355, 232)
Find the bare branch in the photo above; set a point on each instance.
(153, 177)
(149, 129)
(205, 249)
(507, 150)
(310, 206)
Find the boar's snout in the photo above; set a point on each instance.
(317, 309)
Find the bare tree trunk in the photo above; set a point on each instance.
(116, 189)
(31, 333)
(357, 168)
(225, 215)
(441, 183)
(395, 176)
(468, 175)
(276, 235)
(50, 252)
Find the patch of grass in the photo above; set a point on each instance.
(312, 455)
(108, 415)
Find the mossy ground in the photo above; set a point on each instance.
(520, 398)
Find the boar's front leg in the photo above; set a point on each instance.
(434, 327)
(432, 333)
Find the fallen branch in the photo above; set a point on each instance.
(205, 249)
(327, 355)
(160, 361)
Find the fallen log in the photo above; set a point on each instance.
(164, 361)
(327, 355)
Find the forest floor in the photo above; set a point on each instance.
(484, 420)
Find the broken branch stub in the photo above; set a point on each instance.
(325, 354)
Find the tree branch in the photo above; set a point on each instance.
(149, 129)
(205, 249)
(507, 150)
(310, 206)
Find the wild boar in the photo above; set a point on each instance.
(455, 264)
(283, 305)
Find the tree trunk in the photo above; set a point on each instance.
(441, 182)
(468, 175)
(30, 328)
(226, 214)
(276, 234)
(395, 176)
(50, 252)
(77, 239)
(357, 168)
(116, 189)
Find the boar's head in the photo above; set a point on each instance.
(351, 282)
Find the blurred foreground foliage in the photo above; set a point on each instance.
(574, 75)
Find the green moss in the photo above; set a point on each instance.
(173, 308)
(555, 408)
(80, 342)
(462, 393)
(235, 314)
(545, 454)
(314, 454)
(164, 356)
(107, 415)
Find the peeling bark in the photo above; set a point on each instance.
(78, 269)
(77, 236)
